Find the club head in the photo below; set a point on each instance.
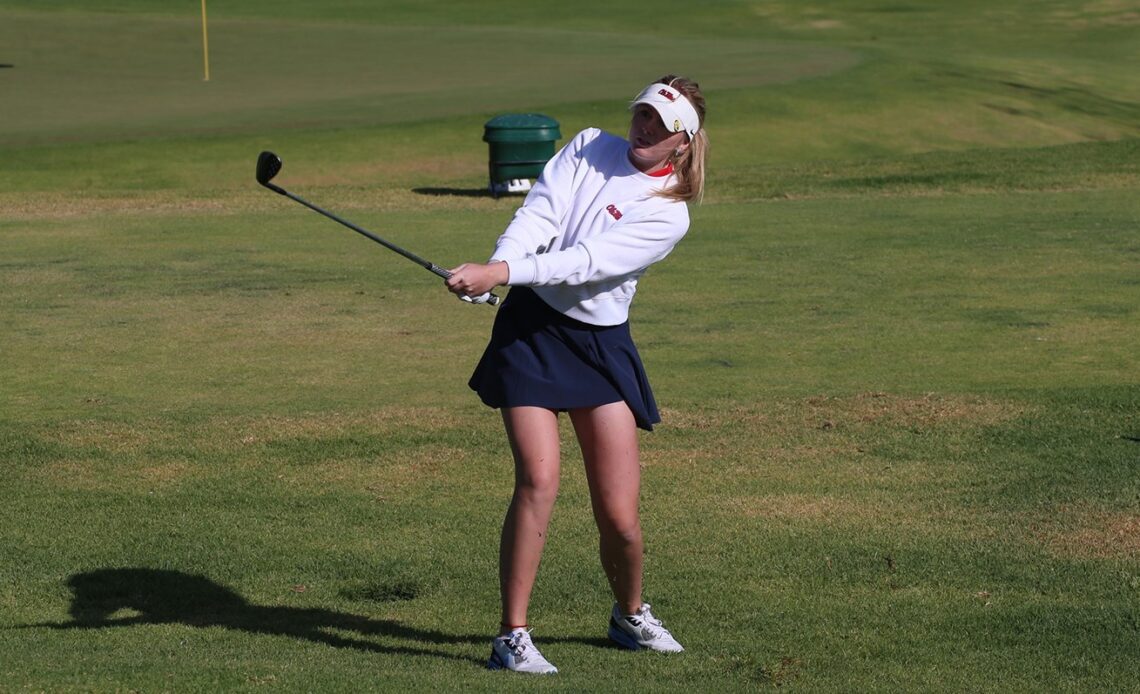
(268, 164)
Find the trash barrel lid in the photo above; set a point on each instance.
(521, 127)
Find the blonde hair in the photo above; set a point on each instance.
(689, 166)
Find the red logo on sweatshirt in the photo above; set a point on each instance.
(614, 212)
(667, 94)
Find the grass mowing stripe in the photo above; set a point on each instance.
(305, 75)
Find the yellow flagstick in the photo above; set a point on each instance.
(205, 44)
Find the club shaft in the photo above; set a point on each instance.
(426, 264)
(490, 298)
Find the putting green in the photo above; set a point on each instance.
(84, 77)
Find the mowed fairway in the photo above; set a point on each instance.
(897, 355)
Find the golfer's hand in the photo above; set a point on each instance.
(474, 281)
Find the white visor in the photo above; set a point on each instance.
(676, 112)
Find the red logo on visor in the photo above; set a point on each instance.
(667, 94)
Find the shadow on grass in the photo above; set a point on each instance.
(454, 192)
(154, 596)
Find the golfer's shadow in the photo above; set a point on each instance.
(129, 597)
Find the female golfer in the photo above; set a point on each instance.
(603, 211)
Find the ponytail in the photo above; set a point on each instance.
(689, 166)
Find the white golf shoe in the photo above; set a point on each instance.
(516, 652)
(641, 630)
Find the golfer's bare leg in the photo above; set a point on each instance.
(608, 437)
(533, 435)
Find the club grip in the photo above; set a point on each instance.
(492, 298)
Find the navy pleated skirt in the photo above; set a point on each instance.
(540, 357)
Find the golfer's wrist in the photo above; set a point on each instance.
(500, 272)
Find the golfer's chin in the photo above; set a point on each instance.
(646, 160)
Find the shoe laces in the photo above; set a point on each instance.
(518, 642)
(647, 619)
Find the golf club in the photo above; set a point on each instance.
(269, 165)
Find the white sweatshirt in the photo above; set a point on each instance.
(589, 228)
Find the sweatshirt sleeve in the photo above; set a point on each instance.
(622, 250)
(540, 217)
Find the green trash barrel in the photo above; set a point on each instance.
(520, 145)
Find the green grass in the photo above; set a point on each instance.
(895, 355)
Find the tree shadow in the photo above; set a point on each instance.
(455, 192)
(155, 596)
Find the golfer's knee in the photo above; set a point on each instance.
(537, 488)
(620, 532)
